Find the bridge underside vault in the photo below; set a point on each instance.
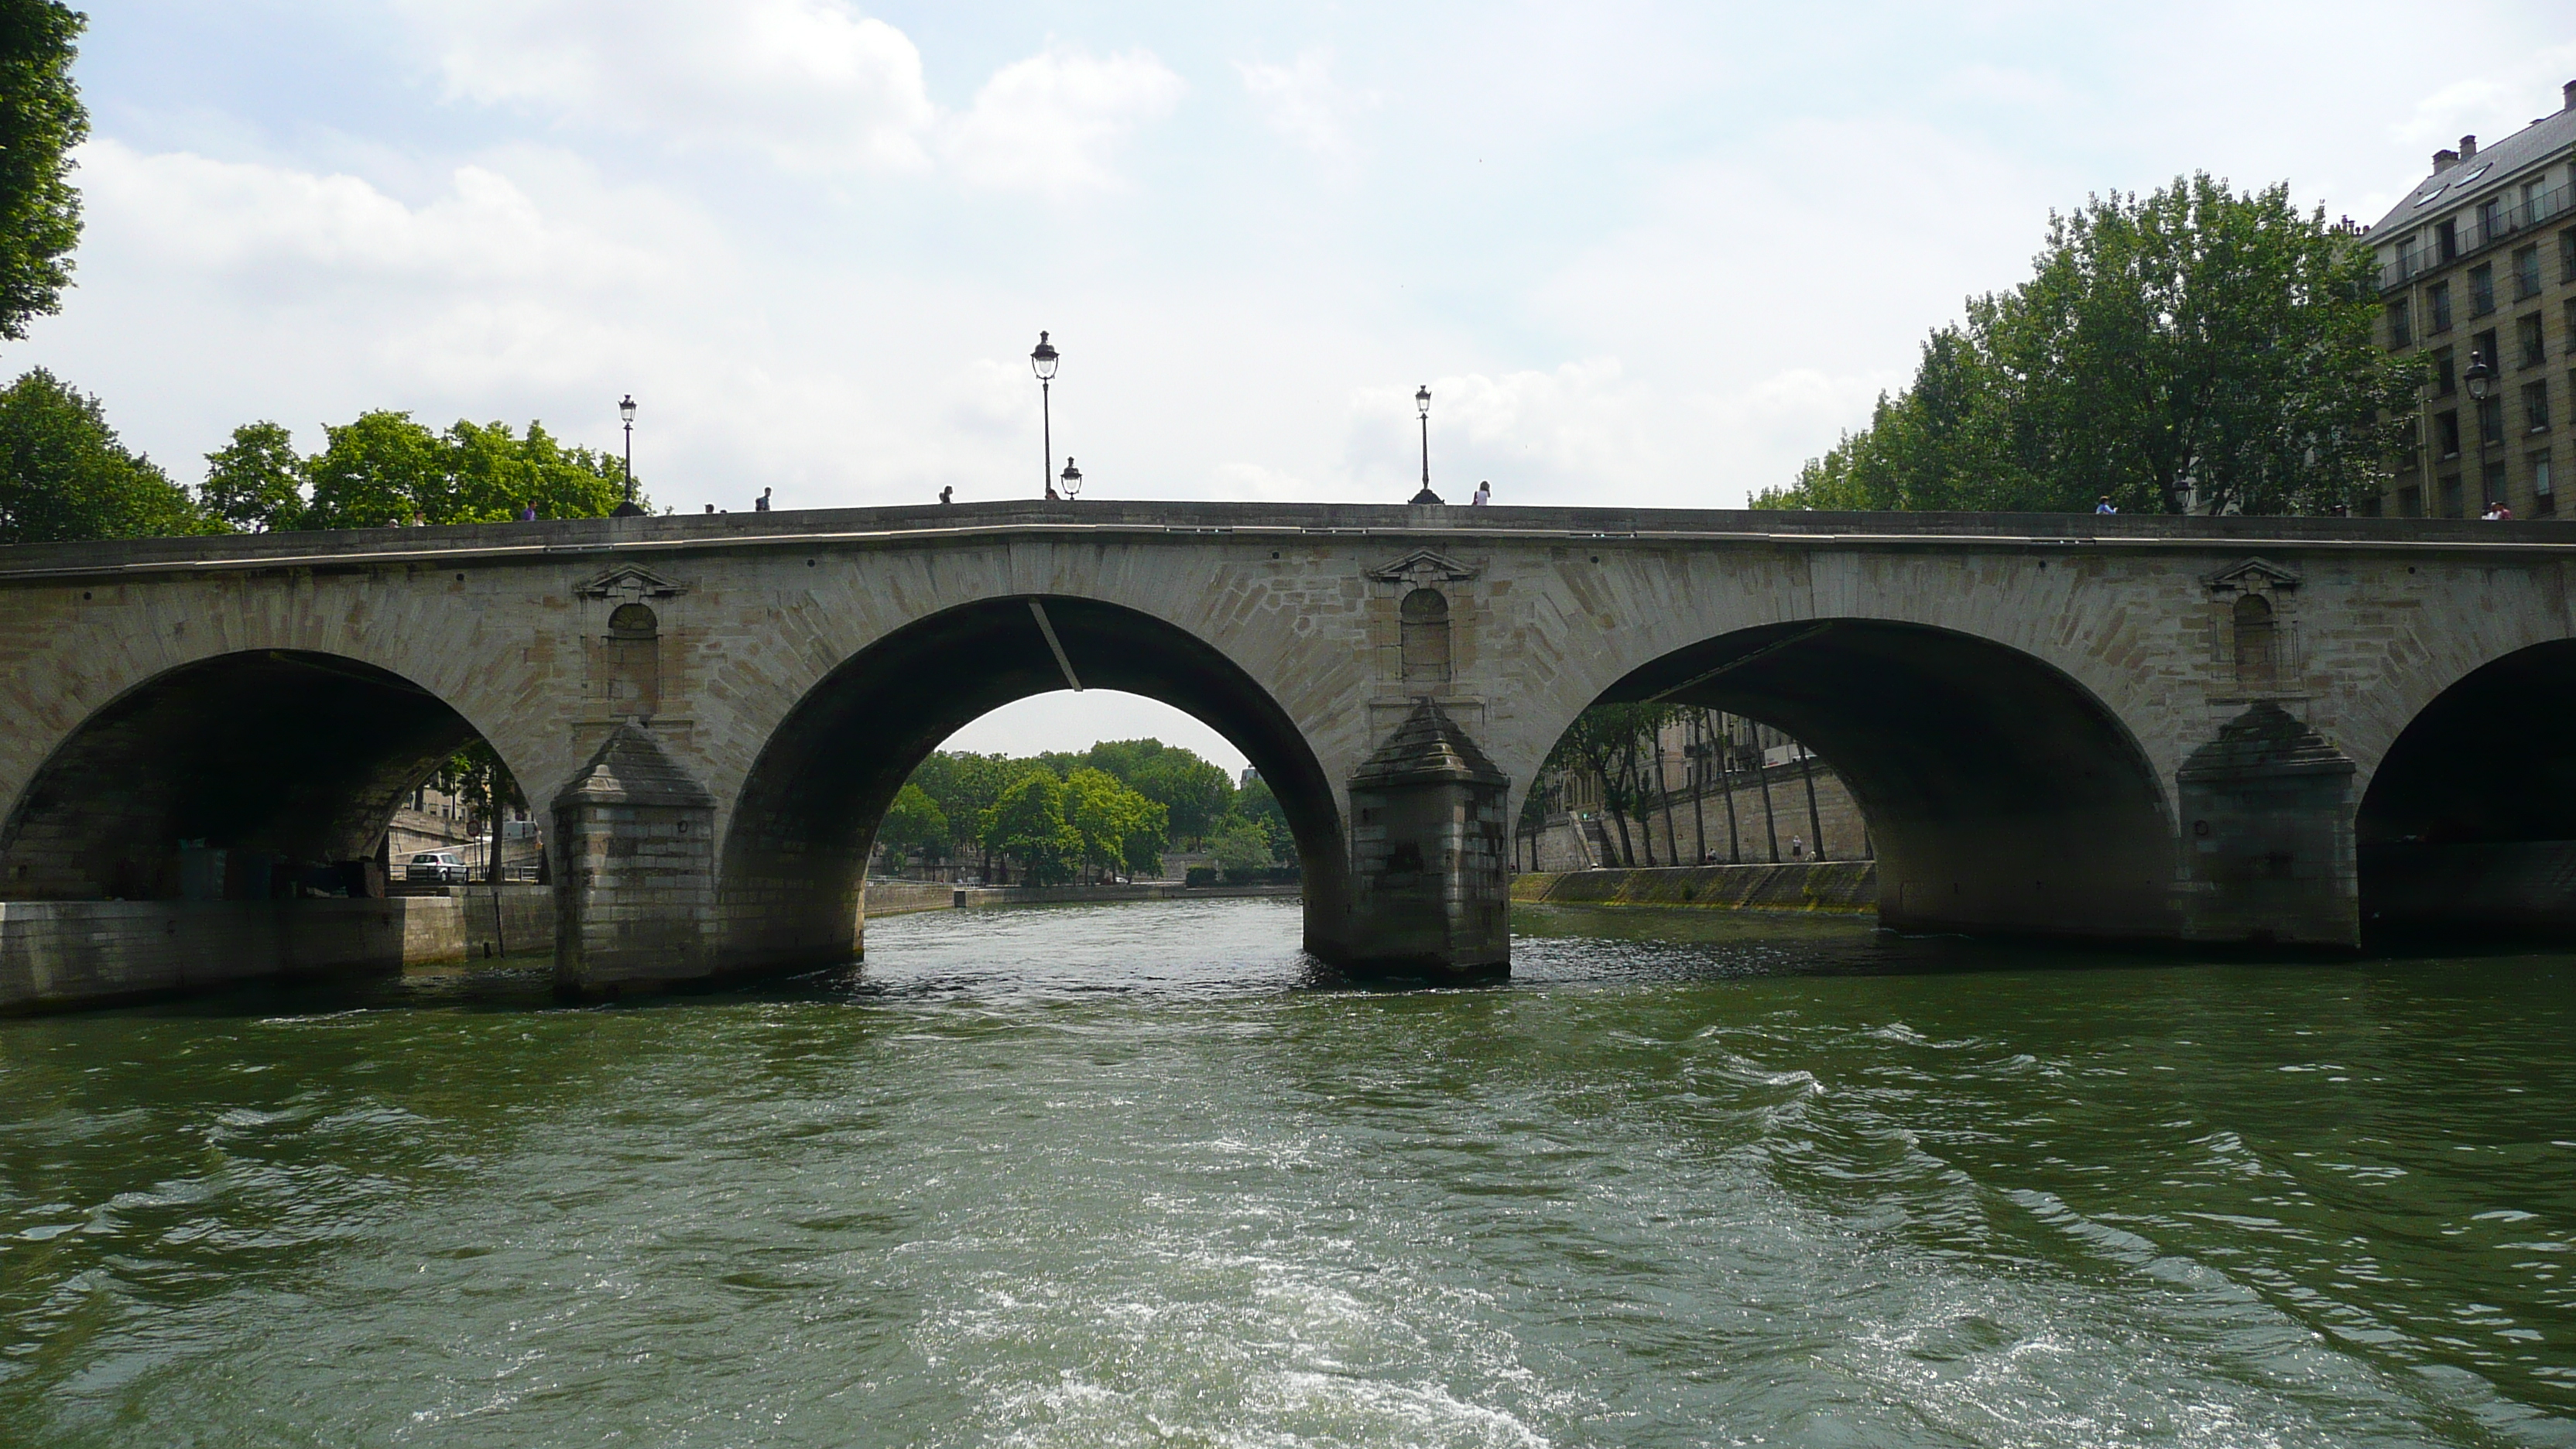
(798, 844)
(2469, 825)
(2000, 795)
(301, 758)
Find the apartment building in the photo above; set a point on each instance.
(2477, 271)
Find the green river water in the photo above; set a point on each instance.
(1139, 1175)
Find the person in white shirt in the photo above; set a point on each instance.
(1484, 495)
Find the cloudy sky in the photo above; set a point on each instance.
(1640, 253)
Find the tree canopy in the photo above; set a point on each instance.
(1115, 807)
(65, 475)
(385, 469)
(2196, 350)
(41, 120)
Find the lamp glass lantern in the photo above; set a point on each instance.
(1071, 479)
(2480, 377)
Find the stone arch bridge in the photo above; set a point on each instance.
(2136, 729)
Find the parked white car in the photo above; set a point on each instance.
(435, 867)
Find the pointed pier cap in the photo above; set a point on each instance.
(631, 769)
(1428, 748)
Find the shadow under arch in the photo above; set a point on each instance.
(797, 846)
(2001, 795)
(301, 755)
(2468, 826)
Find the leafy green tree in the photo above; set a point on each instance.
(1117, 826)
(964, 785)
(915, 824)
(2195, 350)
(1240, 849)
(1255, 803)
(255, 482)
(65, 475)
(1027, 823)
(1194, 792)
(492, 473)
(1614, 743)
(385, 469)
(41, 120)
(377, 472)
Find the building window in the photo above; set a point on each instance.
(2526, 273)
(2481, 289)
(2446, 433)
(2406, 254)
(1424, 634)
(2446, 373)
(2535, 406)
(2257, 639)
(2449, 503)
(2544, 488)
(2373, 506)
(2494, 481)
(2567, 255)
(2437, 305)
(2484, 345)
(2410, 502)
(2400, 334)
(2409, 435)
(2490, 421)
(2527, 340)
(2446, 240)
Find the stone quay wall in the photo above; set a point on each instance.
(58, 955)
(1838, 887)
(1567, 844)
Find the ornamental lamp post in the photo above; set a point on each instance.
(1042, 361)
(1071, 481)
(2481, 380)
(626, 413)
(1422, 405)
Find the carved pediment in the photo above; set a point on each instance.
(1422, 568)
(628, 583)
(2253, 575)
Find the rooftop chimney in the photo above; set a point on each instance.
(2569, 92)
(2444, 160)
(2468, 148)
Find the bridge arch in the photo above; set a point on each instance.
(796, 846)
(297, 755)
(2001, 793)
(2468, 825)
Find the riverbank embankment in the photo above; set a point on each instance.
(61, 954)
(903, 897)
(1844, 887)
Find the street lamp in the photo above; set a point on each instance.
(2481, 380)
(1071, 481)
(1042, 362)
(629, 508)
(1422, 405)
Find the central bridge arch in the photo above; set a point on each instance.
(796, 849)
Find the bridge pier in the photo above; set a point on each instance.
(2268, 836)
(1430, 889)
(635, 892)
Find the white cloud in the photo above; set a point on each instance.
(300, 231)
(811, 83)
(1048, 123)
(1302, 103)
